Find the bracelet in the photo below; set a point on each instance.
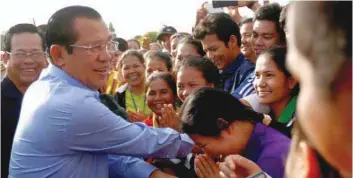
(260, 175)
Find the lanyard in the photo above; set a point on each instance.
(133, 101)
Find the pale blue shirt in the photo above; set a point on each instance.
(65, 131)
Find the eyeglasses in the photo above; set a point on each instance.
(110, 47)
(36, 56)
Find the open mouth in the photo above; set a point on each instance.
(102, 71)
(132, 77)
(263, 93)
(29, 70)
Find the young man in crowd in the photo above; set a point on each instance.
(71, 133)
(163, 38)
(267, 31)
(133, 44)
(246, 26)
(221, 40)
(24, 59)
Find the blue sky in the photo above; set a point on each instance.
(129, 17)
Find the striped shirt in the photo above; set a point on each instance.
(238, 77)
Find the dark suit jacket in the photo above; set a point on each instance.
(11, 99)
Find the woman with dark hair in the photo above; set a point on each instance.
(276, 89)
(221, 125)
(195, 73)
(131, 95)
(157, 61)
(188, 47)
(161, 96)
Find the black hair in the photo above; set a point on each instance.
(196, 43)
(279, 56)
(161, 56)
(220, 24)
(245, 20)
(271, 12)
(135, 41)
(208, 69)
(208, 111)
(123, 45)
(131, 52)
(17, 29)
(165, 76)
(61, 29)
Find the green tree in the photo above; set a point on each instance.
(152, 35)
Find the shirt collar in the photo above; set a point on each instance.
(235, 64)
(57, 72)
(9, 89)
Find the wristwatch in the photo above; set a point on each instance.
(260, 175)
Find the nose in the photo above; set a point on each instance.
(186, 92)
(210, 55)
(258, 41)
(260, 82)
(28, 60)
(243, 39)
(105, 56)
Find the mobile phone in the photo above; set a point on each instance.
(218, 4)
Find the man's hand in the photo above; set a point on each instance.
(201, 13)
(159, 174)
(237, 166)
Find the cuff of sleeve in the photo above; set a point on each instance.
(144, 170)
(186, 145)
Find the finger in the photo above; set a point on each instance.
(212, 164)
(222, 175)
(229, 161)
(245, 164)
(226, 171)
(198, 173)
(200, 167)
(206, 166)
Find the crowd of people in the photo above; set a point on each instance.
(266, 96)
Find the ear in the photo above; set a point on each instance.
(232, 43)
(222, 124)
(292, 82)
(57, 52)
(309, 166)
(4, 57)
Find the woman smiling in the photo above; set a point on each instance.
(131, 96)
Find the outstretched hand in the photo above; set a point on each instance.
(235, 166)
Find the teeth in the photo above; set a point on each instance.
(133, 77)
(28, 70)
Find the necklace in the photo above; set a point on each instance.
(134, 102)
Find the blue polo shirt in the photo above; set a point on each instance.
(237, 78)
